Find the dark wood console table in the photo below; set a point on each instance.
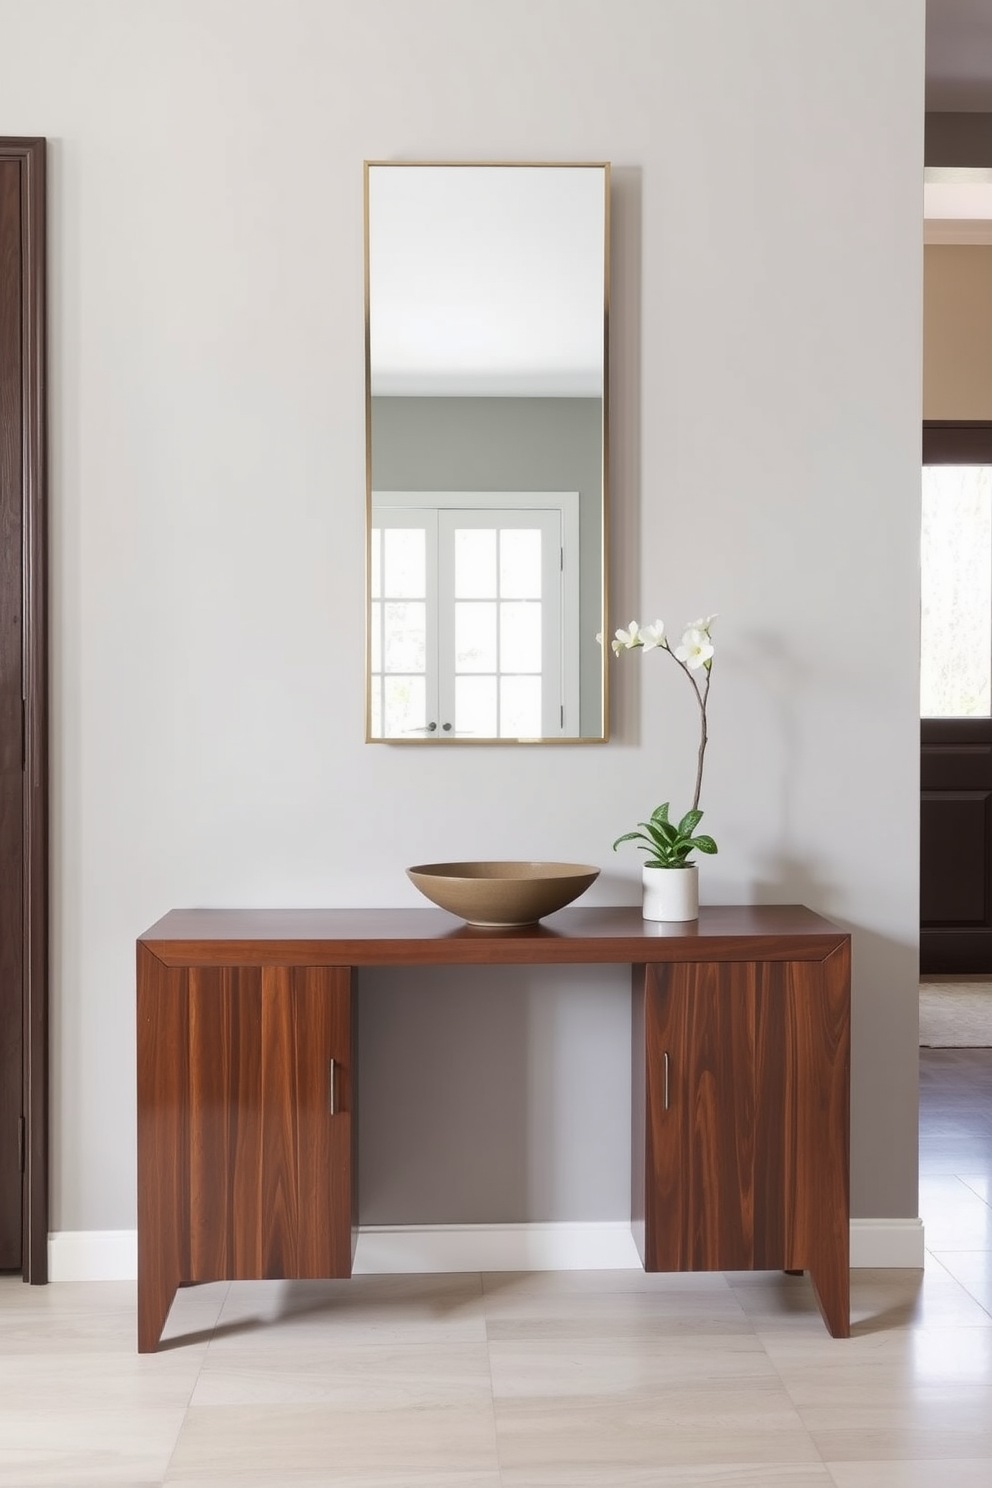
(246, 1143)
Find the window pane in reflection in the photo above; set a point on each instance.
(404, 701)
(520, 707)
(475, 563)
(475, 637)
(375, 561)
(375, 637)
(405, 637)
(520, 563)
(475, 707)
(956, 592)
(520, 637)
(404, 563)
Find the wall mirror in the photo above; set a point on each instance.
(486, 329)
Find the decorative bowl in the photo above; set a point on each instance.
(502, 893)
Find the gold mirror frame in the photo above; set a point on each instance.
(589, 658)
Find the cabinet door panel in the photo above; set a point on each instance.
(746, 1143)
(225, 1121)
(699, 1204)
(324, 1163)
(269, 1163)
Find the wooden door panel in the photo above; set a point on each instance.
(699, 1202)
(11, 755)
(767, 985)
(662, 1033)
(270, 1162)
(225, 1122)
(282, 1113)
(746, 1145)
(715, 1076)
(950, 764)
(327, 1173)
(956, 838)
(956, 845)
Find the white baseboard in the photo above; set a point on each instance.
(93, 1255)
(605, 1246)
(112, 1255)
(887, 1243)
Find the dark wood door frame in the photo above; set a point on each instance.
(30, 156)
(956, 788)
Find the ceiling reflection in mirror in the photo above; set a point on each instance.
(487, 398)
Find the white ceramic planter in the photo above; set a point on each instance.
(670, 893)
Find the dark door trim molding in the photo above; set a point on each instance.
(957, 442)
(30, 154)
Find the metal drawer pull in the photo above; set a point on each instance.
(331, 1071)
(666, 1079)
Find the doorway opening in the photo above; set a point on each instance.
(956, 700)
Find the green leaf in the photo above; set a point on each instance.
(660, 813)
(689, 821)
(705, 844)
(660, 831)
(630, 837)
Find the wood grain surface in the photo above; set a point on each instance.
(746, 1140)
(11, 768)
(245, 1156)
(24, 936)
(163, 1142)
(740, 1086)
(432, 937)
(270, 1166)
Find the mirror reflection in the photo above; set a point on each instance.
(486, 390)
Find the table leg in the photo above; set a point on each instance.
(163, 1143)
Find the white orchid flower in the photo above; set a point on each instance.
(696, 648)
(627, 639)
(672, 844)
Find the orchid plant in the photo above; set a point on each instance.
(670, 845)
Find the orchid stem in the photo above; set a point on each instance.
(701, 696)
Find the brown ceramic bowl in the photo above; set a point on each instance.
(499, 894)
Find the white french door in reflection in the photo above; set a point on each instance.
(402, 624)
(470, 609)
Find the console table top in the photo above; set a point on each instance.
(432, 937)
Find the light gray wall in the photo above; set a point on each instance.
(207, 534)
(508, 444)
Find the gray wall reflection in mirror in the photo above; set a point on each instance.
(487, 399)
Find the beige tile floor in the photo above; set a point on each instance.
(563, 1380)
